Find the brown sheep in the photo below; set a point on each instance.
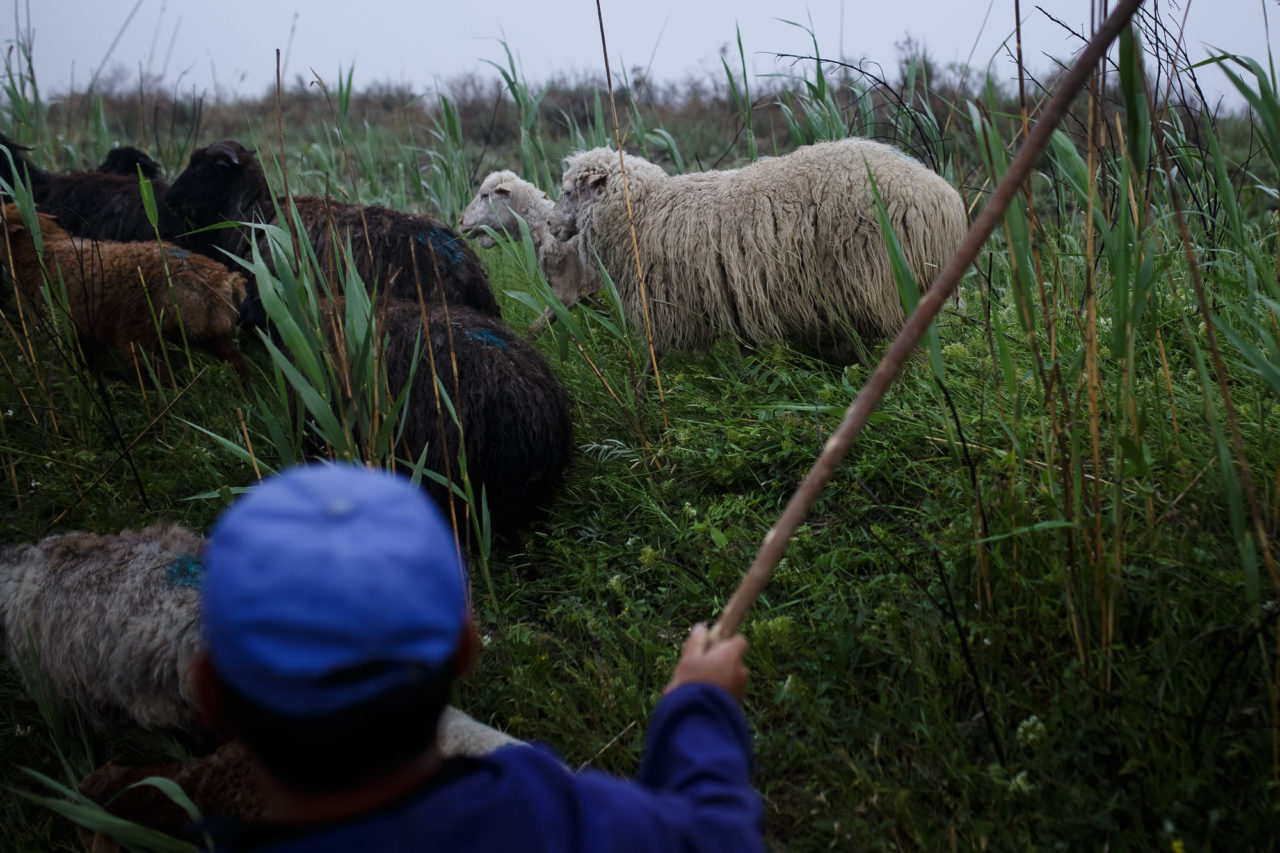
(116, 292)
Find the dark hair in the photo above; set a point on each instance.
(332, 752)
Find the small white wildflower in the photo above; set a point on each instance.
(689, 510)
(631, 540)
(1030, 732)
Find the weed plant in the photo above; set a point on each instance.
(1037, 608)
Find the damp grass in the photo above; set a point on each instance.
(1034, 608)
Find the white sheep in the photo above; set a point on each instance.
(503, 198)
(787, 249)
(108, 624)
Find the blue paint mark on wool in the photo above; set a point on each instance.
(445, 245)
(483, 336)
(185, 571)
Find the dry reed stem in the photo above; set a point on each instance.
(1168, 384)
(944, 285)
(1093, 380)
(635, 244)
(248, 444)
(435, 388)
(1220, 374)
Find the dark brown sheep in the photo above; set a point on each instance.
(392, 250)
(513, 410)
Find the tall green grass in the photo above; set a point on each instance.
(1037, 606)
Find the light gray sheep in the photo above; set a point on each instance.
(505, 196)
(109, 625)
(787, 249)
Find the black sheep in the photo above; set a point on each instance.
(391, 250)
(127, 160)
(102, 206)
(513, 410)
(96, 205)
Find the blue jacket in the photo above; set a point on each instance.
(692, 793)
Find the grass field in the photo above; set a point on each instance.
(1036, 608)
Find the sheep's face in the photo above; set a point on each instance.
(17, 231)
(223, 181)
(580, 190)
(491, 207)
(564, 271)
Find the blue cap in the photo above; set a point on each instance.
(328, 585)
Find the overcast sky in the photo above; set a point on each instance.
(231, 44)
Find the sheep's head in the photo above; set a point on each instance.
(14, 230)
(223, 181)
(127, 161)
(15, 167)
(17, 232)
(569, 279)
(580, 189)
(498, 204)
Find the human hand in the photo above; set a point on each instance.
(718, 663)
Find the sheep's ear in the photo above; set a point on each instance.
(595, 183)
(505, 192)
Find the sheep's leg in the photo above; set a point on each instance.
(225, 349)
(642, 384)
(540, 325)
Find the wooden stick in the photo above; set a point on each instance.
(944, 285)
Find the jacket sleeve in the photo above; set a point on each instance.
(698, 759)
(693, 793)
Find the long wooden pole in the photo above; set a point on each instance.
(877, 385)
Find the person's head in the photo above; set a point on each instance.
(335, 620)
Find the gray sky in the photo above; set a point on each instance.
(230, 44)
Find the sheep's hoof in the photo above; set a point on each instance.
(540, 325)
